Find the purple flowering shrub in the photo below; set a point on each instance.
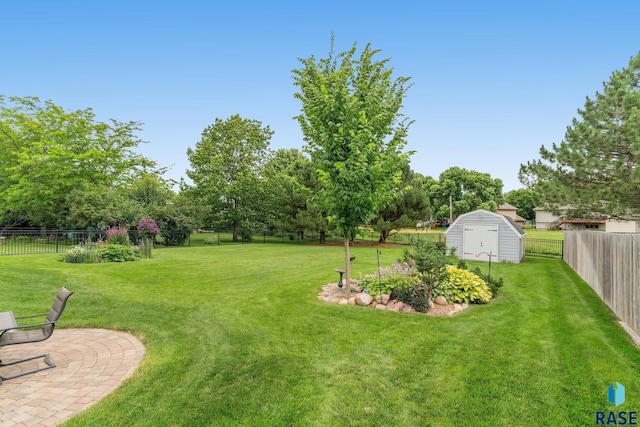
(148, 227)
(117, 236)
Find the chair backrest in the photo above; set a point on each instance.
(56, 310)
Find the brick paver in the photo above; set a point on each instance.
(90, 363)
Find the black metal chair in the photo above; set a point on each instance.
(24, 334)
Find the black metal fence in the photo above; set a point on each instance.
(364, 236)
(44, 241)
(544, 247)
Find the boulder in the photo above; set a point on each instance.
(441, 300)
(352, 301)
(383, 299)
(343, 301)
(381, 307)
(398, 306)
(363, 299)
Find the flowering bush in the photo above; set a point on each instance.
(148, 230)
(399, 275)
(148, 227)
(80, 255)
(117, 236)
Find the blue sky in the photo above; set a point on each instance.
(492, 81)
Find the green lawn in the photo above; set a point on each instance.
(236, 336)
(534, 233)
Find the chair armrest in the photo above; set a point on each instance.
(36, 325)
(33, 315)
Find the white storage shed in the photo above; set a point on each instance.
(479, 234)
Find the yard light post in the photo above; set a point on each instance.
(490, 254)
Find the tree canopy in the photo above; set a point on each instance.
(46, 153)
(354, 132)
(594, 170)
(525, 200)
(226, 169)
(459, 190)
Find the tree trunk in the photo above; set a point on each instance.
(323, 237)
(347, 268)
(235, 232)
(384, 234)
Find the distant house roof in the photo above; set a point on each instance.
(507, 207)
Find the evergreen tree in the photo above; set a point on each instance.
(595, 169)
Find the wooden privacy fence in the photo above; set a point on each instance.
(610, 264)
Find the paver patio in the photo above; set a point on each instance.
(90, 363)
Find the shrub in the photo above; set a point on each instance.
(148, 230)
(116, 253)
(210, 240)
(79, 255)
(463, 286)
(414, 295)
(117, 236)
(494, 283)
(388, 279)
(430, 260)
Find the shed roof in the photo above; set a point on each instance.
(510, 222)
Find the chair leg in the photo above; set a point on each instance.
(47, 361)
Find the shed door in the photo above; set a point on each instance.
(480, 240)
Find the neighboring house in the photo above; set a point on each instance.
(479, 234)
(546, 220)
(509, 210)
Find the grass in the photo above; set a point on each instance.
(402, 237)
(236, 336)
(534, 233)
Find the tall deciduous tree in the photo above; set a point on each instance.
(354, 132)
(460, 190)
(595, 168)
(525, 200)
(226, 167)
(47, 152)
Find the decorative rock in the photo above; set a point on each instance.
(441, 300)
(363, 299)
(358, 289)
(391, 305)
(336, 299)
(374, 304)
(381, 307)
(352, 301)
(323, 294)
(457, 307)
(430, 304)
(408, 309)
(383, 299)
(398, 306)
(343, 302)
